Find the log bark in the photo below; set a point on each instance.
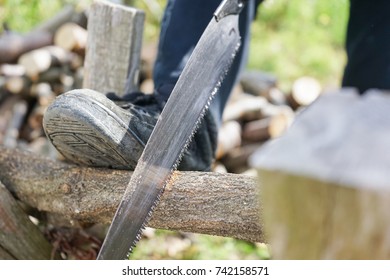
(112, 60)
(325, 184)
(209, 203)
(19, 237)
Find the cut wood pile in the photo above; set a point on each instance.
(38, 66)
(258, 111)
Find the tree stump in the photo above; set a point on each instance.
(325, 186)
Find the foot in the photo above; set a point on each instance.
(93, 129)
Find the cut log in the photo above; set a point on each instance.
(112, 62)
(304, 91)
(325, 188)
(268, 128)
(200, 202)
(19, 237)
(17, 84)
(245, 108)
(236, 160)
(41, 60)
(11, 70)
(71, 37)
(258, 83)
(229, 137)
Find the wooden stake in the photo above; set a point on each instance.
(113, 48)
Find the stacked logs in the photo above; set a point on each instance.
(34, 69)
(257, 112)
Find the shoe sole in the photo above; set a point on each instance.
(89, 129)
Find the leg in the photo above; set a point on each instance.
(368, 45)
(182, 25)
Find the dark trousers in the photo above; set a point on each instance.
(368, 45)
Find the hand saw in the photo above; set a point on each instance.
(187, 104)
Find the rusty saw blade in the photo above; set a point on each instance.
(187, 104)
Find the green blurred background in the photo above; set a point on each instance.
(290, 39)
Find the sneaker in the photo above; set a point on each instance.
(90, 128)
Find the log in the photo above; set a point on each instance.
(112, 60)
(245, 108)
(258, 83)
(12, 70)
(229, 137)
(236, 160)
(17, 84)
(13, 45)
(18, 114)
(304, 91)
(325, 184)
(19, 237)
(71, 37)
(267, 128)
(41, 60)
(208, 203)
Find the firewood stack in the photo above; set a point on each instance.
(257, 112)
(48, 61)
(34, 69)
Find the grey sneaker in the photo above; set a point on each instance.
(90, 128)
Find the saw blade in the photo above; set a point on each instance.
(189, 100)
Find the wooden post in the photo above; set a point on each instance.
(325, 184)
(19, 237)
(113, 48)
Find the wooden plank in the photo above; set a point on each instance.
(325, 184)
(19, 237)
(114, 42)
(201, 202)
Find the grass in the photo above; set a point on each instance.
(290, 38)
